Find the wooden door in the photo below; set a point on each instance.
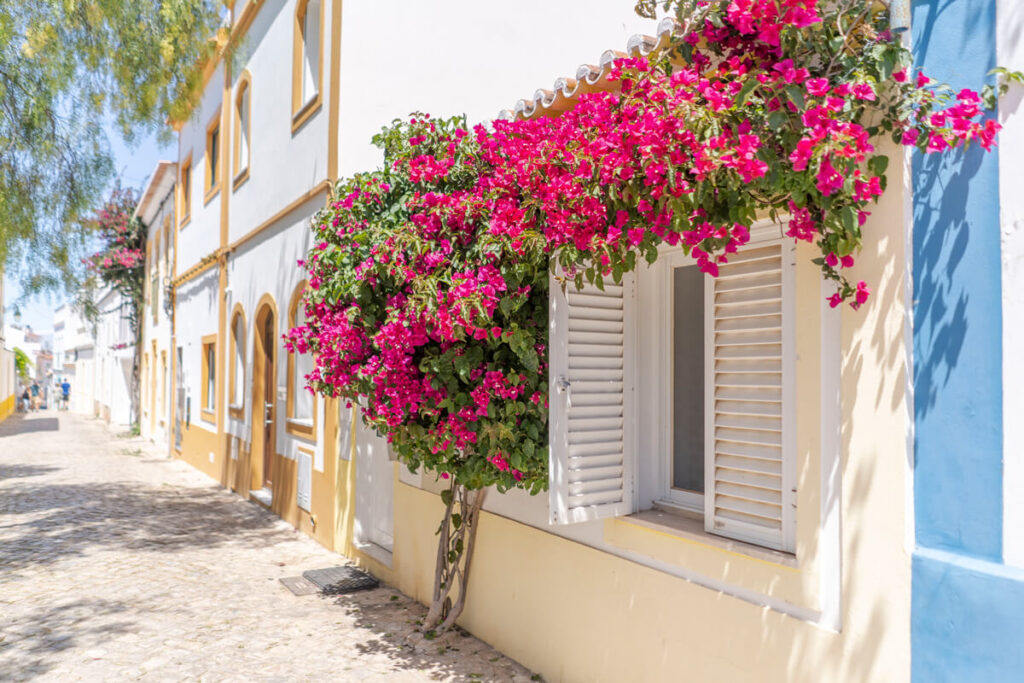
(268, 396)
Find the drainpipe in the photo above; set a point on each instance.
(899, 15)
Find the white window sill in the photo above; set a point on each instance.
(262, 496)
(301, 423)
(689, 527)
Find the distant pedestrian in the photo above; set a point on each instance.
(36, 399)
(65, 393)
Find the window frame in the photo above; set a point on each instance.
(303, 105)
(305, 428)
(699, 506)
(185, 191)
(213, 168)
(241, 166)
(208, 399)
(236, 403)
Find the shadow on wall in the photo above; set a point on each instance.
(940, 306)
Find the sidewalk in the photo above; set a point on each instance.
(117, 563)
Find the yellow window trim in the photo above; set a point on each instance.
(208, 341)
(241, 172)
(292, 426)
(211, 175)
(302, 111)
(184, 191)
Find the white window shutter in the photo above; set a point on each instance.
(590, 379)
(749, 372)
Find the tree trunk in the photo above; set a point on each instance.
(455, 544)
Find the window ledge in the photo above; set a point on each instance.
(235, 410)
(660, 533)
(208, 415)
(376, 552)
(185, 220)
(262, 496)
(300, 428)
(211, 193)
(242, 176)
(305, 113)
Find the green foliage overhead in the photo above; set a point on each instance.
(21, 363)
(66, 68)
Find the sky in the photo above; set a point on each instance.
(134, 163)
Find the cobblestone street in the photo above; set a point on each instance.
(117, 563)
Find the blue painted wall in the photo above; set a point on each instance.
(967, 608)
(958, 307)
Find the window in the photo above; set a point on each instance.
(301, 404)
(722, 377)
(186, 190)
(213, 141)
(237, 380)
(167, 244)
(209, 376)
(307, 58)
(242, 130)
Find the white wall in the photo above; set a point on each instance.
(265, 267)
(1010, 53)
(196, 316)
(283, 165)
(446, 57)
(202, 234)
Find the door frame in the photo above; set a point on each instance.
(260, 357)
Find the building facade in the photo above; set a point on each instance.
(156, 211)
(8, 375)
(858, 518)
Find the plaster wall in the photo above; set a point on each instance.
(159, 385)
(447, 57)
(284, 164)
(1010, 53)
(196, 316)
(201, 235)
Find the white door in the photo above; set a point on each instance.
(375, 490)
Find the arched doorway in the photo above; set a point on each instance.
(264, 397)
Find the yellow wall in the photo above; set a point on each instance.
(7, 407)
(578, 613)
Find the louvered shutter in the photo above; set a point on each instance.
(749, 458)
(590, 401)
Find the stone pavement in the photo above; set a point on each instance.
(117, 563)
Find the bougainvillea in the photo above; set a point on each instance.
(428, 284)
(119, 264)
(429, 280)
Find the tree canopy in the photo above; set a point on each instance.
(67, 67)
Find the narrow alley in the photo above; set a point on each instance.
(118, 563)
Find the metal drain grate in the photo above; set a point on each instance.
(337, 580)
(299, 585)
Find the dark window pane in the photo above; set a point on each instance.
(688, 379)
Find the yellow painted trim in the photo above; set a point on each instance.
(185, 192)
(306, 431)
(236, 313)
(306, 113)
(244, 86)
(207, 341)
(7, 407)
(212, 172)
(322, 186)
(198, 269)
(303, 109)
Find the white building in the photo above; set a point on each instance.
(156, 211)
(74, 353)
(115, 348)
